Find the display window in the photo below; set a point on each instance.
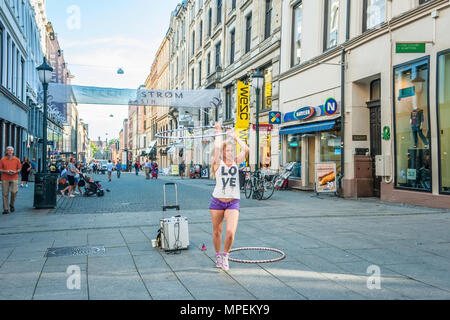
(411, 125)
(294, 154)
(443, 105)
(330, 147)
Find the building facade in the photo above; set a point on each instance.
(157, 118)
(18, 36)
(214, 44)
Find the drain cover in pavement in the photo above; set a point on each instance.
(75, 251)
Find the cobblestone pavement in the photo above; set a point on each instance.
(132, 194)
(334, 248)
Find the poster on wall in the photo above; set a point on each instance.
(326, 177)
(175, 171)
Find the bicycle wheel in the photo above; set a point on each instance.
(259, 190)
(269, 189)
(248, 188)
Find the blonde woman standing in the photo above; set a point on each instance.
(225, 198)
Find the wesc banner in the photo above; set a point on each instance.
(243, 113)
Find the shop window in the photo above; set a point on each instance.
(294, 154)
(330, 147)
(265, 149)
(374, 13)
(412, 130)
(444, 120)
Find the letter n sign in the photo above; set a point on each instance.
(330, 106)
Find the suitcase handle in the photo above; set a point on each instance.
(169, 184)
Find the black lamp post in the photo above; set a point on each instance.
(45, 183)
(257, 82)
(45, 76)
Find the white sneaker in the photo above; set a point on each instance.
(62, 193)
(225, 265)
(26, 186)
(21, 185)
(71, 196)
(218, 260)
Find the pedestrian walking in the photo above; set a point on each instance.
(33, 170)
(226, 194)
(118, 169)
(182, 167)
(25, 172)
(109, 167)
(77, 179)
(137, 165)
(148, 169)
(9, 167)
(155, 170)
(71, 171)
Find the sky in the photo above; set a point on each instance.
(100, 36)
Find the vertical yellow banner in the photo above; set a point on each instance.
(243, 112)
(241, 133)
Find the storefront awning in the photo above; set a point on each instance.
(305, 128)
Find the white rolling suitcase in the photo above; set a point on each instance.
(174, 233)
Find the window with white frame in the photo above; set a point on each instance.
(297, 17)
(331, 23)
(374, 13)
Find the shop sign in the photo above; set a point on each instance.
(304, 113)
(243, 112)
(410, 47)
(175, 171)
(328, 109)
(406, 92)
(359, 137)
(264, 127)
(205, 173)
(326, 177)
(330, 106)
(275, 117)
(411, 174)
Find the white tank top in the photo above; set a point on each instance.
(227, 182)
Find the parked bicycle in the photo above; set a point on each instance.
(254, 186)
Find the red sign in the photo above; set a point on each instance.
(264, 127)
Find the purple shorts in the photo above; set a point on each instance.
(216, 204)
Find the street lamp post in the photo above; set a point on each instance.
(257, 82)
(45, 183)
(45, 76)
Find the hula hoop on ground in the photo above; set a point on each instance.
(168, 133)
(282, 255)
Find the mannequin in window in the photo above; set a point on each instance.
(416, 121)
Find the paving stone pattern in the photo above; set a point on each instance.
(329, 243)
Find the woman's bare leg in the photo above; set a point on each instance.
(231, 218)
(217, 222)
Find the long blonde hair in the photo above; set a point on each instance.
(221, 156)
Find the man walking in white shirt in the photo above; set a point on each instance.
(109, 167)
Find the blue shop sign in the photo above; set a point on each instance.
(304, 113)
(275, 117)
(330, 106)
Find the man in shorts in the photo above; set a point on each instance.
(9, 167)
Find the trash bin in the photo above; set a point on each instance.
(45, 187)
